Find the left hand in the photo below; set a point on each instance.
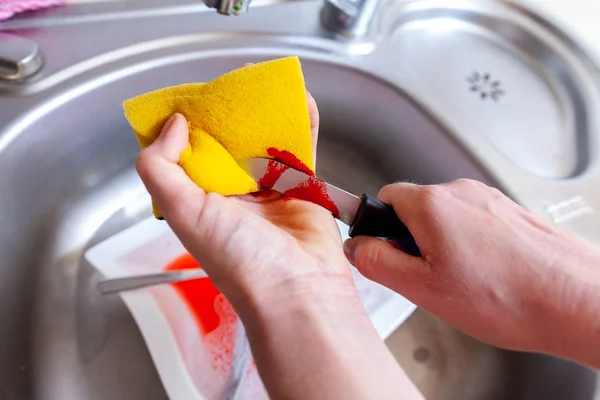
(249, 246)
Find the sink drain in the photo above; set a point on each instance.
(485, 86)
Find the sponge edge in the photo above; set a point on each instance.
(245, 113)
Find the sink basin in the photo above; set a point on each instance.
(67, 177)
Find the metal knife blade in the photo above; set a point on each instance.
(116, 285)
(366, 215)
(288, 178)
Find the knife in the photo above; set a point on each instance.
(365, 215)
(116, 285)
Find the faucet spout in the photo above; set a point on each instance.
(349, 18)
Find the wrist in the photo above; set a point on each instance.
(310, 293)
(315, 335)
(296, 281)
(566, 317)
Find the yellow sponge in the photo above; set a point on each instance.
(256, 111)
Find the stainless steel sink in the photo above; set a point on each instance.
(405, 103)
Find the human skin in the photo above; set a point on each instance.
(281, 265)
(491, 269)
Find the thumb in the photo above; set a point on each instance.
(206, 224)
(382, 262)
(177, 196)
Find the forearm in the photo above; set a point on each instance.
(569, 309)
(322, 345)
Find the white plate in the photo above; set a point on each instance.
(190, 365)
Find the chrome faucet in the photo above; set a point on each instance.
(348, 18)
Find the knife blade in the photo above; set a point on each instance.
(365, 215)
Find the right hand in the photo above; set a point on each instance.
(489, 268)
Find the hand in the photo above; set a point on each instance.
(249, 246)
(490, 268)
(281, 265)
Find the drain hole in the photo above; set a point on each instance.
(485, 86)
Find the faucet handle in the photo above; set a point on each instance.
(228, 7)
(20, 58)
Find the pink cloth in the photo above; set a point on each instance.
(8, 8)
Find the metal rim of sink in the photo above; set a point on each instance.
(568, 197)
(575, 82)
(86, 80)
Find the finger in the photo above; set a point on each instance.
(313, 112)
(176, 195)
(172, 140)
(406, 198)
(204, 223)
(382, 262)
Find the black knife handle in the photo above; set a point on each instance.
(378, 219)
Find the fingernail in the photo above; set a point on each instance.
(349, 250)
(168, 125)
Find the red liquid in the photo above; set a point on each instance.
(311, 190)
(274, 172)
(314, 190)
(199, 294)
(288, 158)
